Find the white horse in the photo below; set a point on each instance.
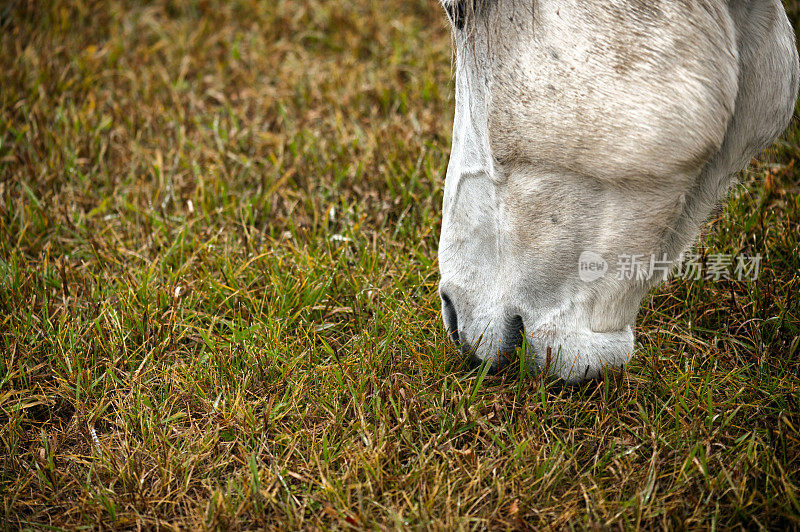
(599, 129)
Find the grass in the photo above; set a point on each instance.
(218, 309)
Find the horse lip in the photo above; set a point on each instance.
(496, 364)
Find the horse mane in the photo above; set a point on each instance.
(463, 12)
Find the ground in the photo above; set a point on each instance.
(218, 307)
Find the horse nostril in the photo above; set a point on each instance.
(512, 334)
(509, 342)
(450, 320)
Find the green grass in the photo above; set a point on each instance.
(218, 308)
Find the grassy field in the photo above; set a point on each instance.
(218, 307)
